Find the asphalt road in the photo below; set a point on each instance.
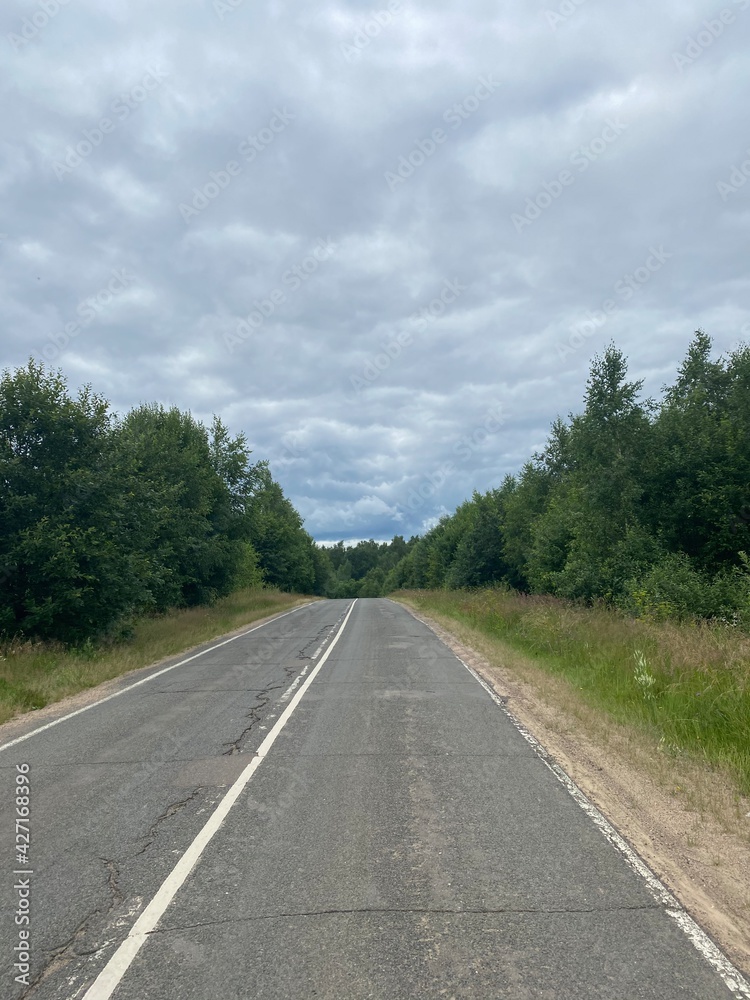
(398, 838)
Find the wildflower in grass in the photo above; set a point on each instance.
(643, 676)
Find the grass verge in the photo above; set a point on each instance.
(33, 675)
(686, 686)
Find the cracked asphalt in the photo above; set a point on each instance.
(401, 839)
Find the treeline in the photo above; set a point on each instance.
(639, 504)
(103, 518)
(364, 569)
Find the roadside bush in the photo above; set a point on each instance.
(674, 588)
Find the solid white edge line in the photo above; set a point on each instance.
(145, 680)
(730, 974)
(107, 980)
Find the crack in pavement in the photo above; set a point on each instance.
(511, 910)
(264, 697)
(170, 811)
(60, 956)
(63, 954)
(322, 636)
(68, 951)
(113, 882)
(318, 639)
(254, 716)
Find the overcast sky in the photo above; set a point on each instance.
(385, 240)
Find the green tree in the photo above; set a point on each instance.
(73, 546)
(284, 548)
(699, 468)
(372, 585)
(198, 519)
(595, 470)
(479, 558)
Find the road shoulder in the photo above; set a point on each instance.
(684, 822)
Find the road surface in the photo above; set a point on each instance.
(374, 828)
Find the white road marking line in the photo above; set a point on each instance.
(151, 677)
(107, 980)
(316, 654)
(732, 977)
(295, 682)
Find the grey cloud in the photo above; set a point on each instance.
(349, 460)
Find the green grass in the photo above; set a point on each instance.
(687, 685)
(33, 675)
